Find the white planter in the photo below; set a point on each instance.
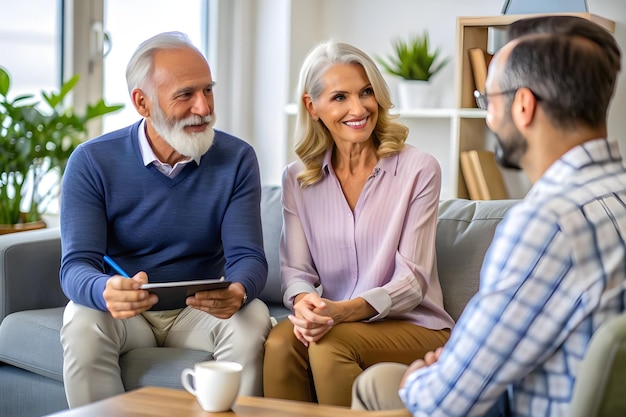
(415, 94)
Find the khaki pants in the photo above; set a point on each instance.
(93, 342)
(326, 370)
(377, 388)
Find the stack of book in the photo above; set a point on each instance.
(482, 175)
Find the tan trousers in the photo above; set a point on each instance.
(93, 342)
(377, 387)
(326, 370)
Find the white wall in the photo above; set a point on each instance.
(373, 28)
(285, 30)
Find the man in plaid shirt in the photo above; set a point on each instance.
(556, 269)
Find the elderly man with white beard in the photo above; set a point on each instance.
(169, 199)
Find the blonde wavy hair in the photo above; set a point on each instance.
(312, 136)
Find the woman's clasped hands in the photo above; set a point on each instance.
(312, 318)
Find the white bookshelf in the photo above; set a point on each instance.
(441, 140)
(469, 128)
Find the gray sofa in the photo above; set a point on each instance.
(31, 303)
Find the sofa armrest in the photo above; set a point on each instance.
(29, 271)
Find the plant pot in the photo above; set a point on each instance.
(415, 94)
(21, 227)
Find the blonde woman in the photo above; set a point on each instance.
(357, 255)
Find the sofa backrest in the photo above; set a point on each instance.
(272, 222)
(465, 229)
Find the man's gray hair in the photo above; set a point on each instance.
(140, 66)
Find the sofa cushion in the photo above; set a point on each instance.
(465, 229)
(158, 366)
(30, 340)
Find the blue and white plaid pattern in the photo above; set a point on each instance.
(555, 271)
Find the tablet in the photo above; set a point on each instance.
(172, 295)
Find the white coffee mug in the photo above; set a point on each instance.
(214, 383)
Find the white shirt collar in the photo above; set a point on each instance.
(149, 157)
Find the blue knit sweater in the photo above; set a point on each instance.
(203, 223)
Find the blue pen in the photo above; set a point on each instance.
(115, 266)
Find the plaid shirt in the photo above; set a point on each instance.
(556, 270)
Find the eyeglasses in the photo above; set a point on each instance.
(482, 98)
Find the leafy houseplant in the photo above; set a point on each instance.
(415, 62)
(414, 59)
(33, 143)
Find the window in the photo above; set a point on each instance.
(46, 41)
(128, 23)
(30, 41)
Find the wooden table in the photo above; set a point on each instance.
(166, 402)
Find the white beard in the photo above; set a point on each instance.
(191, 145)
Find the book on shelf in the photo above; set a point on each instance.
(482, 175)
(479, 62)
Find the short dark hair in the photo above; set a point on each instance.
(570, 63)
(569, 26)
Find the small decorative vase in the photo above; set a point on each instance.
(414, 94)
(21, 227)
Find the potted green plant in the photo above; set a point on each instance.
(33, 143)
(415, 62)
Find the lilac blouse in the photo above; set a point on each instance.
(383, 252)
